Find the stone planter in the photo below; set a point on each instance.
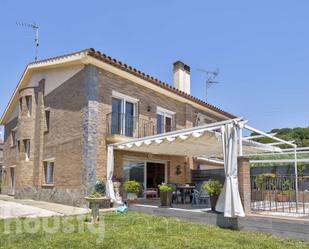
(213, 202)
(166, 199)
(94, 205)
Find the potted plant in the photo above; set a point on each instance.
(213, 188)
(166, 194)
(132, 188)
(287, 193)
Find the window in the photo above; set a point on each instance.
(124, 114)
(165, 120)
(29, 105)
(14, 139)
(27, 149)
(49, 172)
(47, 120)
(20, 105)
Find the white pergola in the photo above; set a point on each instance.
(221, 140)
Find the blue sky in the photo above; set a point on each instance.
(261, 47)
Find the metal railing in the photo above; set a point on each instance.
(128, 125)
(277, 193)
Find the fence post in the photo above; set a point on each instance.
(244, 182)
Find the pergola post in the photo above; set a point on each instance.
(244, 183)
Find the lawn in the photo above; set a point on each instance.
(132, 230)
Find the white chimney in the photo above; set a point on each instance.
(182, 76)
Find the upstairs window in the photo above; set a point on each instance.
(20, 105)
(27, 149)
(165, 120)
(29, 105)
(13, 138)
(47, 120)
(49, 172)
(124, 115)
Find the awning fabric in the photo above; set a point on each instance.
(212, 140)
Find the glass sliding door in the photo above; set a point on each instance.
(129, 119)
(160, 124)
(123, 117)
(164, 122)
(168, 124)
(135, 171)
(116, 116)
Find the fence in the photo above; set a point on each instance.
(277, 193)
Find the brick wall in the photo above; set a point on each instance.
(244, 182)
(77, 135)
(185, 113)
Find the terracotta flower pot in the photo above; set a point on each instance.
(166, 199)
(213, 202)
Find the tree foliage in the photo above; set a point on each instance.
(300, 135)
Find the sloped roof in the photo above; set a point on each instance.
(58, 60)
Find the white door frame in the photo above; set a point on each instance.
(145, 161)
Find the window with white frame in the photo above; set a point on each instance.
(29, 105)
(165, 120)
(124, 114)
(27, 149)
(49, 172)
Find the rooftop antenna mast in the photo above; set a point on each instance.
(35, 29)
(210, 79)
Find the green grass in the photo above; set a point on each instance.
(136, 230)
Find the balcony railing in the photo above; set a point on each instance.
(128, 125)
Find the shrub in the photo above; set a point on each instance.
(95, 195)
(100, 187)
(213, 187)
(132, 187)
(261, 179)
(166, 188)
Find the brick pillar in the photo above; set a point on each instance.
(244, 182)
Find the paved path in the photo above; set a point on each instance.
(10, 208)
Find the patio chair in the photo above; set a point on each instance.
(200, 196)
(152, 192)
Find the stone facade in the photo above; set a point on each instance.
(75, 138)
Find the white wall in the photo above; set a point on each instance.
(53, 79)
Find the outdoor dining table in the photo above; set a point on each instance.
(184, 190)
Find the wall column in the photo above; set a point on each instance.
(244, 183)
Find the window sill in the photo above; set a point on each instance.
(45, 185)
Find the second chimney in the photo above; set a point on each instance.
(182, 76)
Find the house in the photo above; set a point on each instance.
(66, 110)
(1, 158)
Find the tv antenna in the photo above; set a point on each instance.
(210, 78)
(35, 29)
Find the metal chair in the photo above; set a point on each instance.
(200, 196)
